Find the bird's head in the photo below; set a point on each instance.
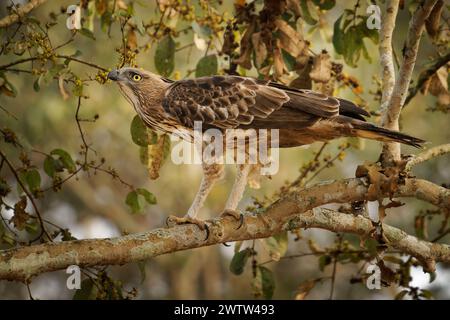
(137, 85)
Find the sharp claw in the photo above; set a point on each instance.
(233, 214)
(207, 232)
(241, 221)
(178, 221)
(226, 244)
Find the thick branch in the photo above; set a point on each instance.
(22, 11)
(391, 151)
(26, 262)
(386, 53)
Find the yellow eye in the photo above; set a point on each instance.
(137, 77)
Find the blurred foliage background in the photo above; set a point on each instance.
(62, 97)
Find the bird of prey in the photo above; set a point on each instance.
(235, 102)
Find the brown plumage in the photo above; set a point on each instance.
(227, 102)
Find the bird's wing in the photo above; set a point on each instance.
(319, 104)
(222, 101)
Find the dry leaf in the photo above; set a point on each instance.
(260, 49)
(321, 69)
(438, 83)
(304, 289)
(156, 155)
(20, 216)
(290, 39)
(131, 39)
(294, 6)
(62, 89)
(244, 59)
(278, 63)
(121, 5)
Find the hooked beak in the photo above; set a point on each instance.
(113, 75)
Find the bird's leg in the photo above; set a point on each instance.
(237, 192)
(211, 174)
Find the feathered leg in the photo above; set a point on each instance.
(237, 192)
(211, 174)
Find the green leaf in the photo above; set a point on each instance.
(401, 295)
(338, 36)
(87, 33)
(277, 245)
(325, 4)
(239, 261)
(353, 45)
(427, 294)
(372, 246)
(143, 155)
(132, 201)
(207, 66)
(148, 196)
(50, 166)
(77, 54)
(88, 291)
(37, 84)
(136, 199)
(138, 132)
(65, 159)
(165, 56)
(152, 136)
(268, 282)
(33, 179)
(372, 34)
(306, 14)
(324, 261)
(282, 239)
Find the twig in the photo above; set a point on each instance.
(333, 274)
(305, 172)
(11, 64)
(80, 130)
(29, 291)
(93, 65)
(22, 11)
(425, 75)
(427, 155)
(29, 196)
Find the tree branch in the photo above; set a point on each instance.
(427, 155)
(22, 11)
(391, 151)
(427, 74)
(25, 262)
(386, 52)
